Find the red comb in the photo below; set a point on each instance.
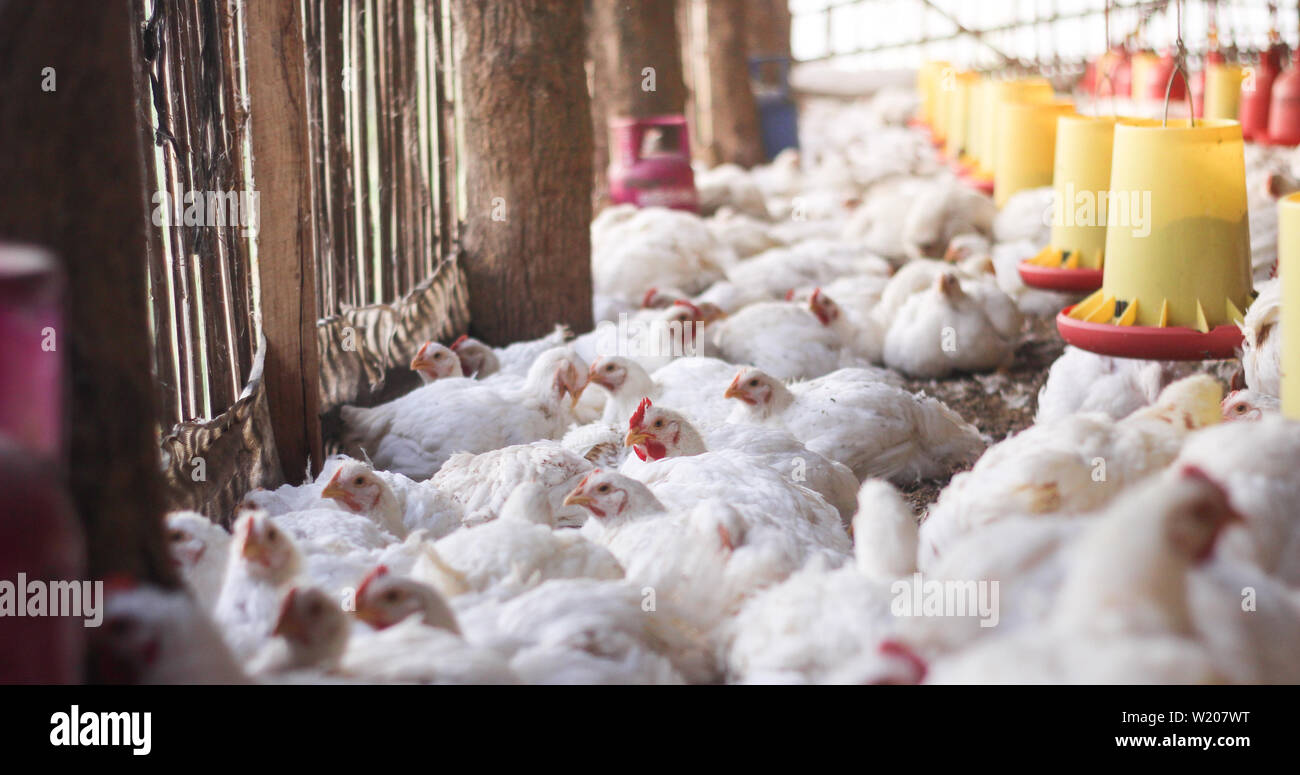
(379, 572)
(893, 648)
(648, 297)
(639, 415)
(789, 295)
(459, 341)
(816, 294)
(694, 309)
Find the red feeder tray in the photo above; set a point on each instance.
(1176, 343)
(984, 186)
(1053, 278)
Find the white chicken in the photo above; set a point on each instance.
(433, 362)
(1248, 405)
(876, 429)
(199, 548)
(697, 384)
(1122, 614)
(415, 434)
(656, 433)
(480, 360)
(1261, 349)
(945, 329)
(817, 625)
(807, 263)
(704, 560)
(655, 246)
(520, 544)
(1255, 462)
(1081, 381)
(1075, 464)
(155, 636)
(789, 340)
(672, 461)
(483, 483)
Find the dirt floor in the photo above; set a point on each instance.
(1000, 403)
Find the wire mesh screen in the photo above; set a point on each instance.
(202, 267)
(380, 118)
(381, 131)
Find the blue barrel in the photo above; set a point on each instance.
(778, 117)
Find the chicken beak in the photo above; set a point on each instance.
(577, 498)
(369, 615)
(419, 363)
(334, 488)
(253, 551)
(733, 390)
(636, 436)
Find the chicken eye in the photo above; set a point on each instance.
(360, 480)
(1239, 408)
(271, 535)
(437, 355)
(176, 535)
(753, 383)
(610, 367)
(659, 423)
(392, 596)
(603, 488)
(314, 609)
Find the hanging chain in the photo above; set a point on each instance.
(1180, 66)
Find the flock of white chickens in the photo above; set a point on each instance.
(703, 489)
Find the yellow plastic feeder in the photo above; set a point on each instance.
(1177, 277)
(1026, 142)
(1073, 260)
(992, 96)
(959, 113)
(970, 157)
(928, 84)
(944, 84)
(1222, 91)
(1288, 269)
(1143, 69)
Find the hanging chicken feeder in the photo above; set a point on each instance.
(1073, 259)
(1257, 95)
(944, 84)
(1114, 74)
(1284, 109)
(927, 84)
(1288, 257)
(1177, 276)
(959, 118)
(1143, 74)
(1158, 79)
(652, 163)
(992, 97)
(1223, 91)
(1026, 146)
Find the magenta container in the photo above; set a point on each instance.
(32, 345)
(651, 164)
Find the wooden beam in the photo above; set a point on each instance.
(286, 240)
(527, 156)
(737, 138)
(75, 161)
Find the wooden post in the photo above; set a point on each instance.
(526, 151)
(636, 68)
(72, 100)
(286, 240)
(736, 135)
